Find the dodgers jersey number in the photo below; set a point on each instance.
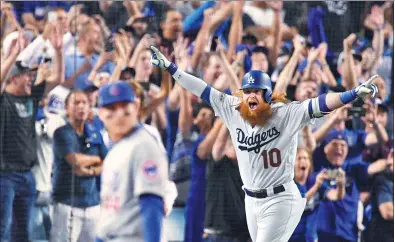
(272, 158)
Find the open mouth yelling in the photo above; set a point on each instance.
(253, 105)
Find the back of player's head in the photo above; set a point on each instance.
(115, 92)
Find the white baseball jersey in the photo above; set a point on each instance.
(266, 154)
(134, 166)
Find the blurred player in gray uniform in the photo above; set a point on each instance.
(134, 172)
(263, 128)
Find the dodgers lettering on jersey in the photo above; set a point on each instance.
(135, 165)
(266, 154)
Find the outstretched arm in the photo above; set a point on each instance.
(193, 84)
(326, 103)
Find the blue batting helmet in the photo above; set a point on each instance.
(258, 79)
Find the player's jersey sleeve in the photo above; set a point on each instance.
(297, 115)
(150, 169)
(224, 105)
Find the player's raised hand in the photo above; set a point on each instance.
(367, 88)
(159, 59)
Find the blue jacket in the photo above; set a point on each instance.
(340, 217)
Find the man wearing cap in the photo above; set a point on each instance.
(337, 220)
(18, 107)
(23, 90)
(79, 152)
(134, 172)
(263, 128)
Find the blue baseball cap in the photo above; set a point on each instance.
(334, 134)
(114, 92)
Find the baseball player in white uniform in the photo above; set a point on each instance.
(263, 128)
(134, 172)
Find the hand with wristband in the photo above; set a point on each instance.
(365, 89)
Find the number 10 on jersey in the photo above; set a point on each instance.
(272, 158)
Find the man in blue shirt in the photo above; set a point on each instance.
(382, 225)
(357, 139)
(79, 151)
(337, 220)
(85, 60)
(195, 205)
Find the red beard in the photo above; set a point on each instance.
(259, 116)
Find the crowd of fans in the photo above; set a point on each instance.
(56, 55)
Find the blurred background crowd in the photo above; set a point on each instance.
(52, 48)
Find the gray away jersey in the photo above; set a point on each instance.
(265, 154)
(136, 165)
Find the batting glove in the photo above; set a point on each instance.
(158, 59)
(367, 88)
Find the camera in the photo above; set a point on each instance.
(333, 174)
(357, 109)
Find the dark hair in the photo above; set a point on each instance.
(260, 49)
(163, 16)
(249, 39)
(382, 108)
(199, 106)
(74, 91)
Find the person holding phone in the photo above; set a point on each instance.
(338, 219)
(314, 187)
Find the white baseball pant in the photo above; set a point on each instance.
(274, 218)
(83, 223)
